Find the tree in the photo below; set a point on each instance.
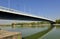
(58, 21)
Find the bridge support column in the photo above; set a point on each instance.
(13, 25)
(52, 24)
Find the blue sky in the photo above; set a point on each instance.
(45, 8)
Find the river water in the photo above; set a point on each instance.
(27, 31)
(53, 34)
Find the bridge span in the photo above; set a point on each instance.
(11, 14)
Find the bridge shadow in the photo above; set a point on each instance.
(39, 34)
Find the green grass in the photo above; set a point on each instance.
(19, 37)
(38, 35)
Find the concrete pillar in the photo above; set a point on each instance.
(13, 25)
(52, 24)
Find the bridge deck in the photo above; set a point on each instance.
(14, 14)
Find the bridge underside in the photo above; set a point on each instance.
(11, 16)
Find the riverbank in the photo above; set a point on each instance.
(9, 35)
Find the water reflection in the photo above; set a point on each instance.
(53, 34)
(39, 34)
(26, 31)
(30, 32)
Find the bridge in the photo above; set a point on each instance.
(11, 14)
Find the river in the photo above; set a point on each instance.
(28, 31)
(53, 34)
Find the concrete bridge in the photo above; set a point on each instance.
(11, 14)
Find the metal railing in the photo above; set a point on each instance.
(9, 9)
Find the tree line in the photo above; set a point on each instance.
(58, 21)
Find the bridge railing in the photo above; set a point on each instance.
(9, 9)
